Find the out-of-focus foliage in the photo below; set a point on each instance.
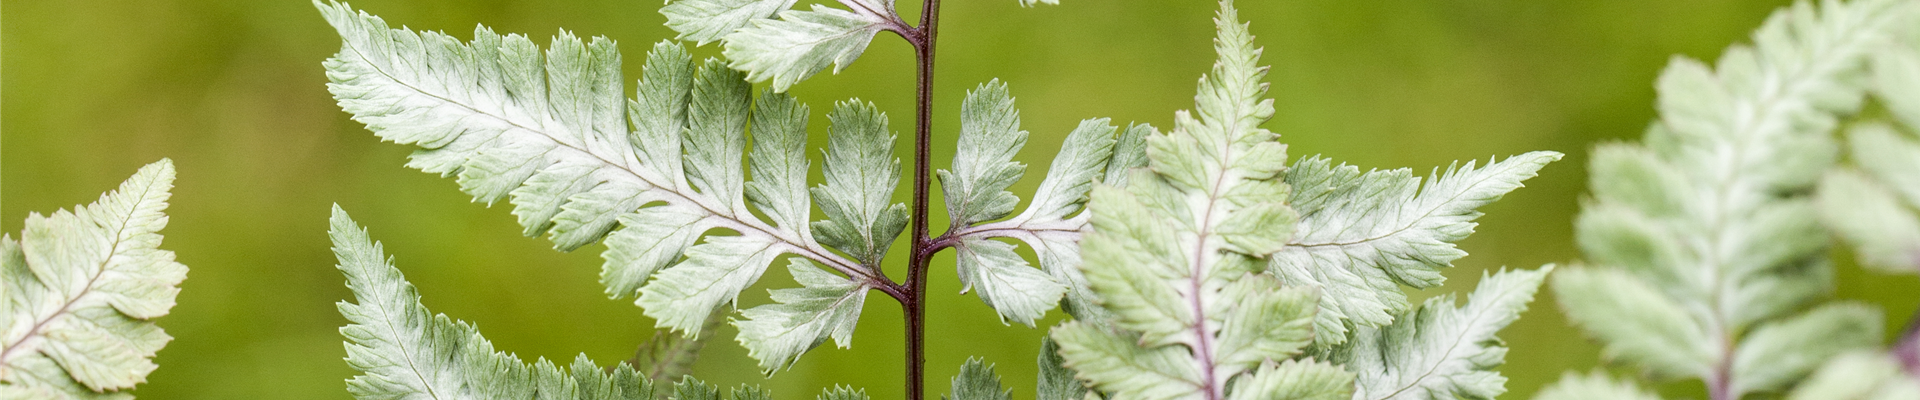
(1710, 262)
(231, 91)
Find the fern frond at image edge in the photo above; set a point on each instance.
(79, 292)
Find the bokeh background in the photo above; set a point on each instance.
(234, 93)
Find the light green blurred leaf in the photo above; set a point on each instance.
(1860, 375)
(1705, 236)
(1118, 365)
(1636, 322)
(1778, 353)
(1594, 386)
(669, 354)
(1884, 234)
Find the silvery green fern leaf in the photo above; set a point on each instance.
(861, 176)
(983, 165)
(403, 351)
(1363, 235)
(843, 393)
(1220, 263)
(693, 389)
(79, 291)
(798, 44)
(975, 189)
(705, 21)
(1055, 381)
(552, 132)
(977, 381)
(1439, 351)
(1705, 239)
(1174, 256)
(1005, 281)
(1295, 380)
(828, 307)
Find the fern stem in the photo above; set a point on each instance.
(914, 302)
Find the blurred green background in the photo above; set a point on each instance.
(234, 93)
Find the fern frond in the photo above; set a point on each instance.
(1296, 380)
(693, 389)
(1362, 236)
(977, 381)
(1174, 255)
(983, 165)
(1635, 320)
(798, 44)
(404, 351)
(1055, 381)
(79, 291)
(549, 131)
(843, 393)
(703, 21)
(861, 177)
(975, 189)
(1220, 263)
(1438, 351)
(1711, 221)
(828, 307)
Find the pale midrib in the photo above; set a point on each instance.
(1203, 340)
(1211, 382)
(1024, 230)
(804, 249)
(33, 336)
